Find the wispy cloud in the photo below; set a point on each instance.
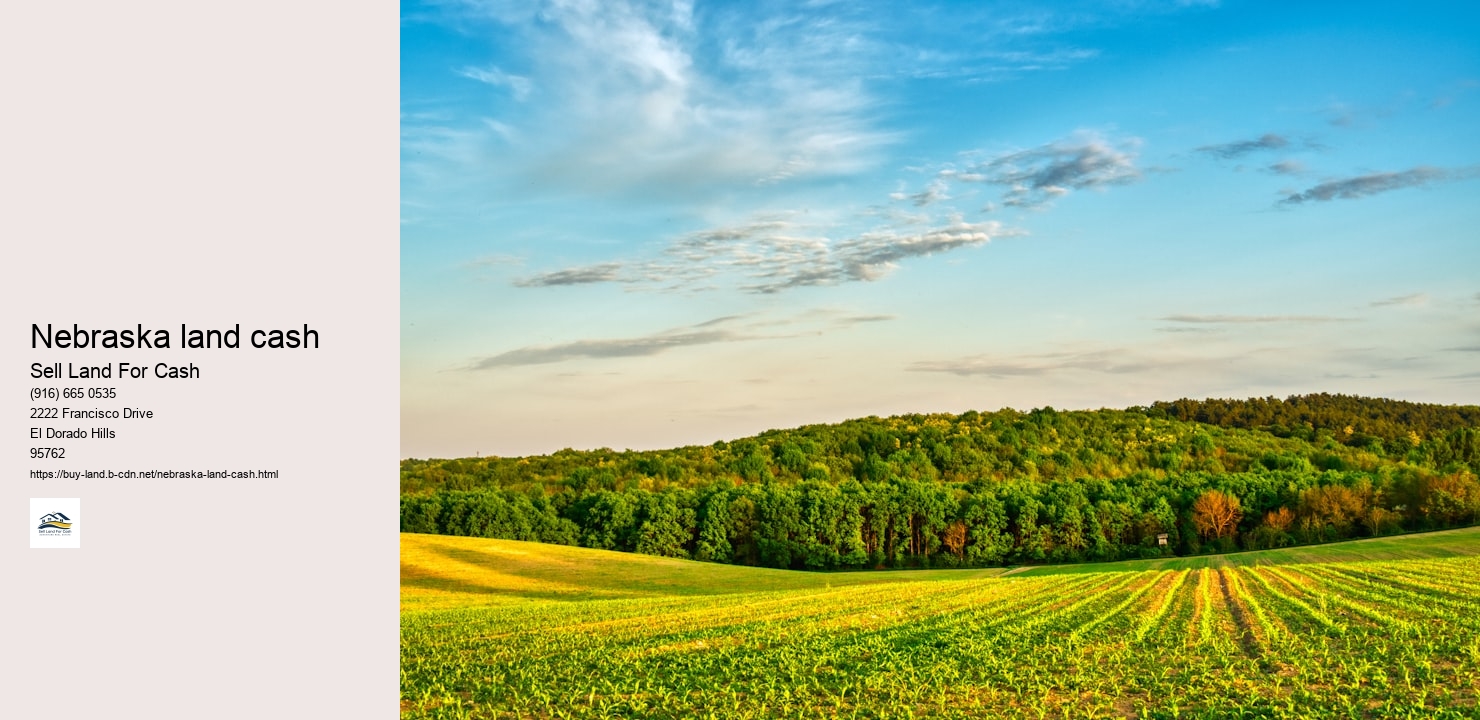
(518, 85)
(636, 96)
(1413, 299)
(1445, 100)
(726, 329)
(1201, 361)
(495, 260)
(1342, 114)
(858, 319)
(1365, 185)
(1112, 361)
(614, 348)
(996, 66)
(1231, 150)
(933, 193)
(771, 256)
(873, 255)
(599, 273)
(1252, 319)
(1286, 167)
(1036, 176)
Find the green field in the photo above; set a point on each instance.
(1386, 628)
(1453, 543)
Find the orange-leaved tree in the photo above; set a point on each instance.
(954, 538)
(1279, 520)
(1216, 514)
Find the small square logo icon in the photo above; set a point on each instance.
(56, 522)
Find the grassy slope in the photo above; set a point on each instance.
(440, 571)
(1447, 543)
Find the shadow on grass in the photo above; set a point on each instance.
(584, 582)
(419, 578)
(614, 576)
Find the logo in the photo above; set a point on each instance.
(56, 521)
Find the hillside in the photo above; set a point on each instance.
(499, 628)
(986, 489)
(1464, 542)
(439, 571)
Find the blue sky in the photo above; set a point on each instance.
(631, 224)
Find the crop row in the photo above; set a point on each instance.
(1393, 639)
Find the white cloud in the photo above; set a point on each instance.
(771, 256)
(933, 193)
(602, 272)
(1287, 167)
(1039, 175)
(647, 97)
(1374, 183)
(518, 86)
(726, 329)
(1240, 148)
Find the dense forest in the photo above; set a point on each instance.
(975, 489)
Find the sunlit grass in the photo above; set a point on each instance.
(502, 629)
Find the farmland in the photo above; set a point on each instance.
(1378, 628)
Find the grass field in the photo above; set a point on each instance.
(1451, 543)
(1386, 628)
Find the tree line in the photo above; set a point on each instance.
(984, 488)
(1350, 420)
(902, 523)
